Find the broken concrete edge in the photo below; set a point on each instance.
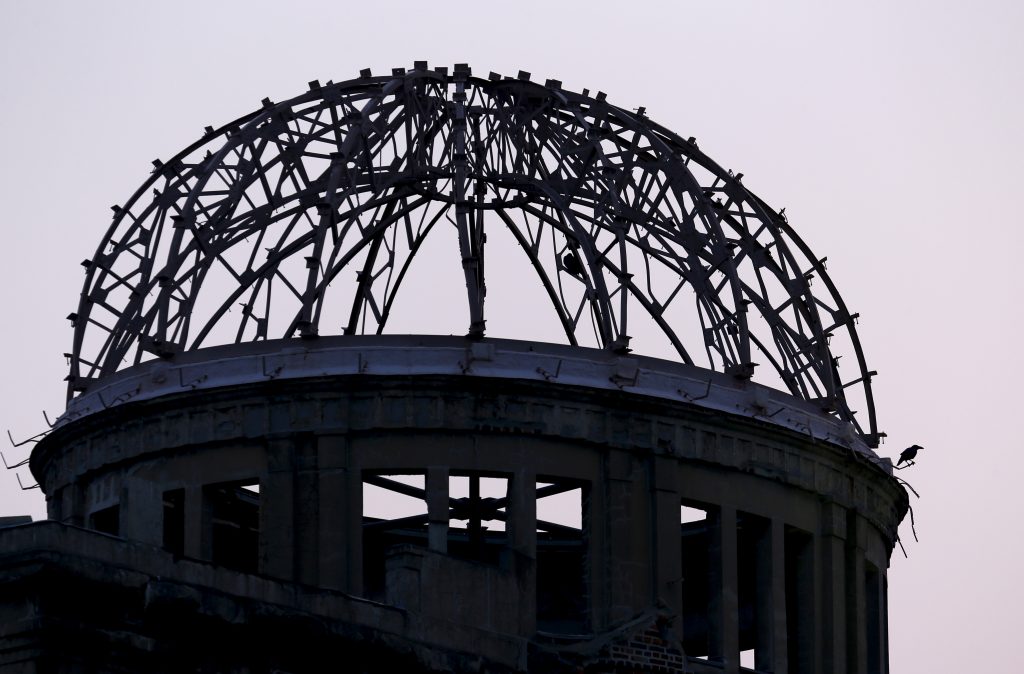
(32, 556)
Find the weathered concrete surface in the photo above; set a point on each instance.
(789, 559)
(75, 600)
(431, 355)
(438, 587)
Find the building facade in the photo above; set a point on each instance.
(281, 496)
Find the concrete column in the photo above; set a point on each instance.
(142, 511)
(437, 508)
(779, 650)
(595, 533)
(875, 639)
(197, 523)
(277, 511)
(307, 510)
(832, 547)
(627, 549)
(764, 600)
(723, 610)
(55, 505)
(522, 538)
(72, 507)
(885, 621)
(352, 524)
(857, 599)
(668, 559)
(353, 529)
(522, 513)
(332, 496)
(857, 614)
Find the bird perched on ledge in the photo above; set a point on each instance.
(908, 454)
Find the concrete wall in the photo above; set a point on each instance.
(826, 518)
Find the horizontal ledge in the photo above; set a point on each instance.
(426, 355)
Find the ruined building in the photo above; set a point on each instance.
(293, 444)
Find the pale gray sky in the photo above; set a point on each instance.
(891, 132)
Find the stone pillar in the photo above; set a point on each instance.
(627, 549)
(779, 648)
(197, 523)
(832, 546)
(595, 537)
(875, 639)
(437, 508)
(333, 496)
(867, 597)
(885, 620)
(277, 511)
(72, 505)
(668, 561)
(723, 609)
(142, 511)
(764, 600)
(857, 614)
(55, 505)
(307, 510)
(522, 538)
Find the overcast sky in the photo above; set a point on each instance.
(890, 131)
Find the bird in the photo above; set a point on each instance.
(908, 454)
(571, 262)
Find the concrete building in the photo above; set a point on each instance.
(258, 489)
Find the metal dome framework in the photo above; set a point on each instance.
(616, 215)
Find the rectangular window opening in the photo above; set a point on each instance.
(234, 510)
(394, 513)
(478, 510)
(753, 549)
(174, 521)
(799, 557)
(107, 520)
(562, 565)
(697, 521)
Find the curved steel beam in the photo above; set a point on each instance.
(642, 214)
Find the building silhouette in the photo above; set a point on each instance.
(255, 474)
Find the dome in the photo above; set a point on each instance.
(305, 217)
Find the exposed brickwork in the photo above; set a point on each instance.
(644, 652)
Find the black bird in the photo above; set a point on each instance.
(571, 262)
(908, 454)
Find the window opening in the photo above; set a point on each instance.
(753, 548)
(799, 600)
(562, 573)
(477, 516)
(234, 509)
(107, 520)
(394, 513)
(696, 531)
(174, 521)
